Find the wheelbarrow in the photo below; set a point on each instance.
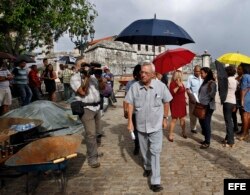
(10, 137)
(50, 154)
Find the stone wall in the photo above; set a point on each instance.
(120, 57)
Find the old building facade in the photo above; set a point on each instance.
(121, 57)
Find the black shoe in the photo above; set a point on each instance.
(156, 188)
(95, 165)
(193, 131)
(239, 124)
(136, 151)
(202, 142)
(236, 130)
(239, 132)
(147, 173)
(224, 141)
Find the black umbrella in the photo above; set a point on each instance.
(26, 58)
(154, 32)
(222, 80)
(68, 59)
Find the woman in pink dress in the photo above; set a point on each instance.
(178, 104)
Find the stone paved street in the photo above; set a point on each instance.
(185, 168)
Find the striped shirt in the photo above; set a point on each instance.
(93, 95)
(20, 76)
(66, 75)
(4, 84)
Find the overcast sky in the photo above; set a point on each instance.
(218, 26)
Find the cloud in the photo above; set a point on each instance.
(219, 26)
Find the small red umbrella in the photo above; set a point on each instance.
(4, 55)
(172, 59)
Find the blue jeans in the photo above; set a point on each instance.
(227, 112)
(36, 93)
(25, 93)
(67, 91)
(206, 125)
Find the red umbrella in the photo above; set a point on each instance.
(172, 59)
(4, 55)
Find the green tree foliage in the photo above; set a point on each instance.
(27, 24)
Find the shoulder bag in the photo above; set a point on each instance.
(77, 108)
(200, 110)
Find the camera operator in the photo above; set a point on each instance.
(87, 89)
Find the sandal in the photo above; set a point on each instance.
(228, 145)
(243, 137)
(170, 139)
(204, 146)
(184, 135)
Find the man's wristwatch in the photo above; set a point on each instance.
(165, 117)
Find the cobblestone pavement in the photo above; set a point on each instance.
(185, 168)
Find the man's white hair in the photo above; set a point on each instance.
(148, 63)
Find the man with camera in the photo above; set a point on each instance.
(87, 89)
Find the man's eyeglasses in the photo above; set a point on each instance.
(146, 73)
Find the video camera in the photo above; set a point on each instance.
(90, 69)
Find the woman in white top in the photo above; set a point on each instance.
(229, 105)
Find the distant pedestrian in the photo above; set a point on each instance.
(5, 92)
(206, 96)
(21, 82)
(60, 72)
(177, 104)
(245, 101)
(110, 81)
(238, 101)
(35, 83)
(66, 75)
(164, 79)
(49, 77)
(149, 99)
(193, 84)
(136, 75)
(229, 105)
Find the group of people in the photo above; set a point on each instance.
(148, 99)
(25, 83)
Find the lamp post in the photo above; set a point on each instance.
(81, 41)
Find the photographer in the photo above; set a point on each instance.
(87, 89)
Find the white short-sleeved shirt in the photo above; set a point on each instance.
(93, 95)
(148, 104)
(232, 86)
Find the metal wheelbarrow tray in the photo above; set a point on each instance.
(46, 154)
(16, 139)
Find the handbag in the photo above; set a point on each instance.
(107, 91)
(77, 108)
(199, 110)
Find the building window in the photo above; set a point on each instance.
(146, 47)
(159, 49)
(139, 47)
(153, 48)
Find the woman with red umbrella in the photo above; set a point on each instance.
(178, 104)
